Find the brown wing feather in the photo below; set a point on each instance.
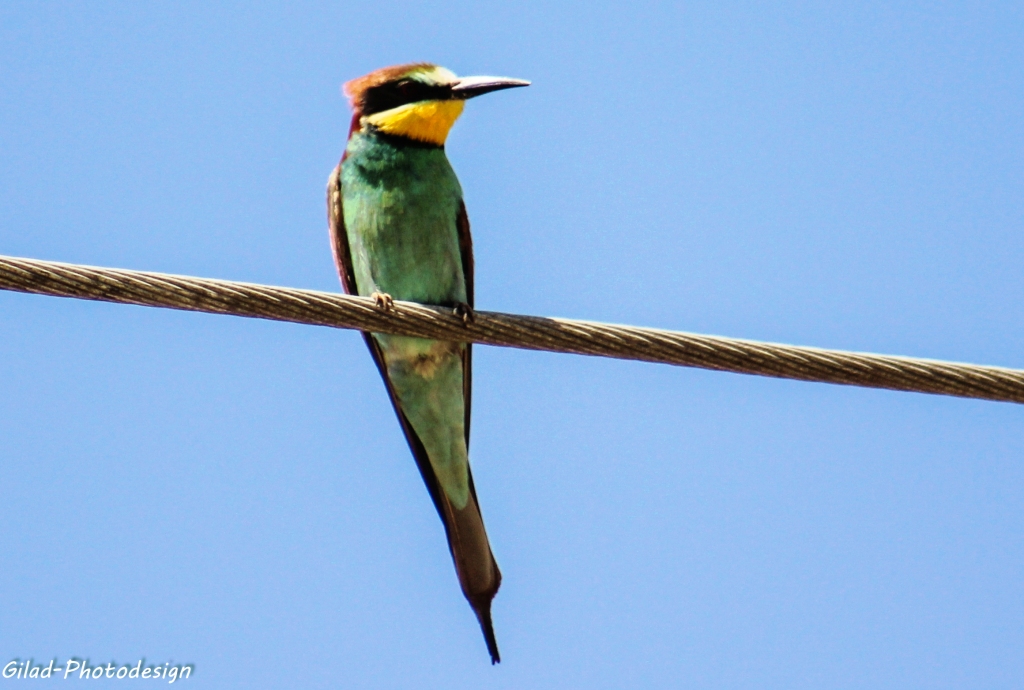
(466, 250)
(343, 261)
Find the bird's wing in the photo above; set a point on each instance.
(343, 261)
(466, 251)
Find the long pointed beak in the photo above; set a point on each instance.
(469, 87)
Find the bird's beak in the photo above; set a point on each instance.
(469, 87)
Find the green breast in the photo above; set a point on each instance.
(400, 204)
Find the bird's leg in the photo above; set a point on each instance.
(383, 301)
(466, 312)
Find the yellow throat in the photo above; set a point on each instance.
(428, 121)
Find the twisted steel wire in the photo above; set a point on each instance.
(509, 330)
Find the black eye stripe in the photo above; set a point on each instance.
(401, 92)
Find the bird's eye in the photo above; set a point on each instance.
(405, 87)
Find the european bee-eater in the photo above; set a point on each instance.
(399, 231)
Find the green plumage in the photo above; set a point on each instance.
(401, 203)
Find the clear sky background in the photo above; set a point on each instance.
(237, 494)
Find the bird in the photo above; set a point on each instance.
(399, 230)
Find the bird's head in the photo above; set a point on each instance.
(419, 101)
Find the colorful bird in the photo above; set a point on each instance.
(399, 231)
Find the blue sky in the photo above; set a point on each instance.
(237, 494)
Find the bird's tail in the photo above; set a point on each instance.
(475, 564)
(483, 614)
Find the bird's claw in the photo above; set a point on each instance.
(383, 301)
(466, 312)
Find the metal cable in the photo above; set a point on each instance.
(509, 330)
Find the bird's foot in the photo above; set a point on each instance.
(465, 311)
(383, 301)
